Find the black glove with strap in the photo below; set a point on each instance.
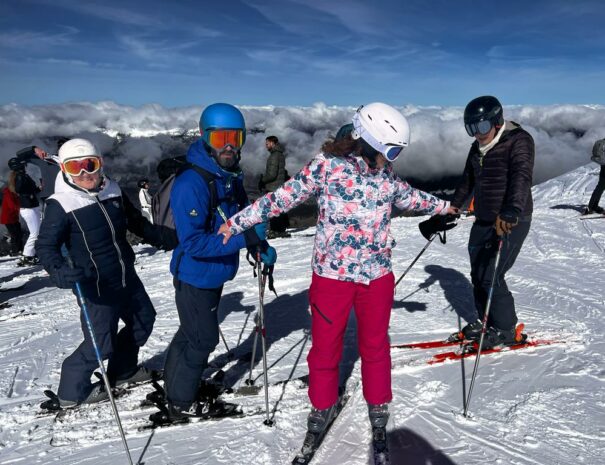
(436, 224)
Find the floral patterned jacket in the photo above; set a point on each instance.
(352, 242)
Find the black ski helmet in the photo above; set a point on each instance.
(485, 109)
(142, 182)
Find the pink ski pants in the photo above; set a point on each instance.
(331, 302)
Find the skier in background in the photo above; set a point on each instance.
(499, 169)
(28, 188)
(356, 187)
(145, 198)
(598, 156)
(89, 215)
(10, 214)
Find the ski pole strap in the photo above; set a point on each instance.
(442, 237)
(268, 272)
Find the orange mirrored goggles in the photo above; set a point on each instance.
(75, 166)
(220, 138)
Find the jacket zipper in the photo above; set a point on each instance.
(89, 252)
(115, 244)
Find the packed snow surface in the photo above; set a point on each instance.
(542, 405)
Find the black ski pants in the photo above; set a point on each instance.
(598, 190)
(131, 305)
(482, 248)
(194, 341)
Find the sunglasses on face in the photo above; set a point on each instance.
(220, 138)
(76, 166)
(481, 127)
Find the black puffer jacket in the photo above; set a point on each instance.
(93, 228)
(501, 179)
(27, 190)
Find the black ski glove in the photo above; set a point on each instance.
(437, 223)
(66, 277)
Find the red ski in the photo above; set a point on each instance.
(469, 351)
(428, 344)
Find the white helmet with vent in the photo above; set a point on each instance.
(383, 127)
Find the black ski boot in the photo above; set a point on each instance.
(495, 337)
(471, 332)
(54, 404)
(173, 414)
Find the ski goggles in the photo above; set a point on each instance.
(75, 166)
(221, 138)
(480, 127)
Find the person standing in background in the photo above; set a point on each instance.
(40, 164)
(10, 215)
(275, 175)
(28, 190)
(598, 156)
(145, 198)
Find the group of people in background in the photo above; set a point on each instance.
(356, 187)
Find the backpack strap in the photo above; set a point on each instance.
(214, 201)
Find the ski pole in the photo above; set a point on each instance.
(224, 341)
(257, 329)
(483, 328)
(261, 315)
(416, 259)
(102, 368)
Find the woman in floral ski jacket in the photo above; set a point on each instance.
(356, 188)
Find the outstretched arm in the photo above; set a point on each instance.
(304, 184)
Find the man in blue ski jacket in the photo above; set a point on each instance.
(201, 263)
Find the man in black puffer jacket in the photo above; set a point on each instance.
(499, 171)
(89, 215)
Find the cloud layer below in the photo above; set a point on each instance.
(136, 138)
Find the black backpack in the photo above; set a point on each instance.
(160, 203)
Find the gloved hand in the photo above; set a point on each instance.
(254, 236)
(269, 256)
(437, 223)
(66, 277)
(505, 224)
(261, 183)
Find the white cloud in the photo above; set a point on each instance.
(564, 134)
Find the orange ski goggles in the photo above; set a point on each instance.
(221, 138)
(75, 166)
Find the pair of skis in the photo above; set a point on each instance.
(467, 349)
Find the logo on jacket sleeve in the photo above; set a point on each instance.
(193, 212)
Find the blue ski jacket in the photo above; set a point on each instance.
(200, 259)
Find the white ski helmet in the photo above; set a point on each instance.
(383, 127)
(77, 148)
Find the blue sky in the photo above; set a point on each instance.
(291, 52)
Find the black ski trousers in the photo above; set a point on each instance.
(598, 190)
(194, 341)
(131, 305)
(482, 248)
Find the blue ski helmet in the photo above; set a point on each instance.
(221, 116)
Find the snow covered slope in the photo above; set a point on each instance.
(544, 405)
